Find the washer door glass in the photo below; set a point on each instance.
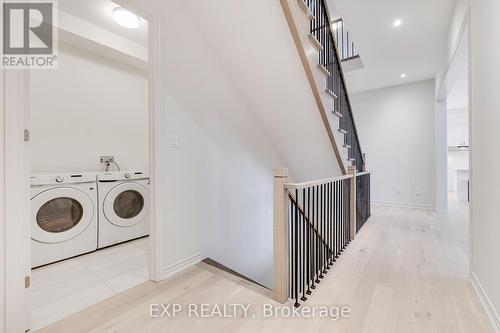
(59, 215)
(128, 204)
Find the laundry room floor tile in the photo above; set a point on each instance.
(61, 289)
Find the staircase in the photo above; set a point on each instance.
(316, 41)
(314, 222)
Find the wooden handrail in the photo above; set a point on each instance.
(299, 186)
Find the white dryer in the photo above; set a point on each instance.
(123, 206)
(63, 216)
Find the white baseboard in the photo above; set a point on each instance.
(402, 205)
(485, 300)
(181, 265)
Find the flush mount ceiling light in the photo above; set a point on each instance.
(125, 18)
(403, 75)
(397, 23)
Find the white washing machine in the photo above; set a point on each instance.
(123, 206)
(63, 216)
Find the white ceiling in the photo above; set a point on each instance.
(100, 13)
(415, 48)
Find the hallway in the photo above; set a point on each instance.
(405, 272)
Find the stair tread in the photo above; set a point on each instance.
(331, 93)
(315, 42)
(305, 9)
(324, 70)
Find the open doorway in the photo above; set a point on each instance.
(89, 151)
(458, 139)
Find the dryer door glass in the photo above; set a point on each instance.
(128, 204)
(59, 215)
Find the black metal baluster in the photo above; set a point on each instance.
(309, 226)
(336, 190)
(332, 247)
(325, 237)
(348, 196)
(324, 228)
(349, 212)
(340, 221)
(322, 232)
(299, 251)
(292, 248)
(330, 223)
(346, 210)
(317, 236)
(304, 298)
(346, 202)
(297, 304)
(313, 240)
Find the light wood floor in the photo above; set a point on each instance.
(406, 272)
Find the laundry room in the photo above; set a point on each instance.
(89, 151)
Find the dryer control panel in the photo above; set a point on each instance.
(121, 175)
(62, 178)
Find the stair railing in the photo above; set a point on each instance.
(363, 208)
(330, 59)
(347, 48)
(313, 224)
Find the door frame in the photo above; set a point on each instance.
(460, 51)
(15, 246)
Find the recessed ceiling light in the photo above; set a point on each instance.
(125, 18)
(397, 23)
(403, 75)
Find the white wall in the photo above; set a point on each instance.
(458, 126)
(218, 186)
(396, 128)
(455, 29)
(89, 106)
(485, 121)
(240, 109)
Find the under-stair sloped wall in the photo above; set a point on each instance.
(238, 100)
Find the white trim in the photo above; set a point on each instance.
(156, 106)
(402, 205)
(17, 200)
(181, 265)
(2, 206)
(486, 302)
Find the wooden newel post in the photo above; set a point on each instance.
(280, 247)
(352, 171)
